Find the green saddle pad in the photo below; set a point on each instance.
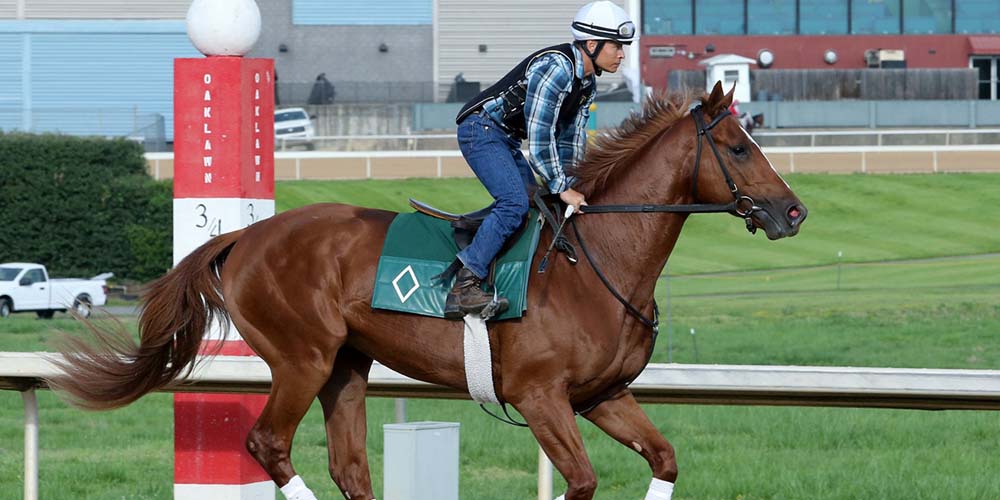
(419, 247)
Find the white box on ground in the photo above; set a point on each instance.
(421, 461)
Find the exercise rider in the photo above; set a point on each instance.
(544, 99)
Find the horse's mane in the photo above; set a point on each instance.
(612, 150)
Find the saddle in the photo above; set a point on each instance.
(466, 225)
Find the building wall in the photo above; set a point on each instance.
(353, 12)
(484, 40)
(801, 52)
(8, 9)
(96, 9)
(75, 77)
(344, 52)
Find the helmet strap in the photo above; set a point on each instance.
(593, 55)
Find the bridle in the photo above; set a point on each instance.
(741, 206)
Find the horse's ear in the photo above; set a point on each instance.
(727, 100)
(713, 103)
(716, 93)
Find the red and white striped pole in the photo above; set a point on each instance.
(223, 181)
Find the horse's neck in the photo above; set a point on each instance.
(634, 247)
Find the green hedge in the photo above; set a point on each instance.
(82, 206)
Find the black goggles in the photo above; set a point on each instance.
(625, 31)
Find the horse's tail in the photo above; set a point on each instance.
(113, 370)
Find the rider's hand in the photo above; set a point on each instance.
(574, 198)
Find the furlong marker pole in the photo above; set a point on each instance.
(223, 181)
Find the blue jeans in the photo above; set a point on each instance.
(496, 158)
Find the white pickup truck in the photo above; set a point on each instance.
(27, 287)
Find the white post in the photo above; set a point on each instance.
(400, 410)
(544, 476)
(30, 444)
(632, 59)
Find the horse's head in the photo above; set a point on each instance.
(732, 167)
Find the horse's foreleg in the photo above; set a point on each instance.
(343, 399)
(623, 419)
(553, 423)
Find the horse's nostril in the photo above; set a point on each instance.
(796, 213)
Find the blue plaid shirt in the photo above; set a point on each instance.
(553, 148)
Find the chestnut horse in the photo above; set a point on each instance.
(298, 288)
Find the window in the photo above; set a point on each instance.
(729, 77)
(818, 17)
(977, 16)
(986, 74)
(823, 17)
(284, 116)
(771, 17)
(926, 16)
(35, 275)
(875, 17)
(718, 17)
(9, 273)
(667, 17)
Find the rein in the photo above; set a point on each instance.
(653, 324)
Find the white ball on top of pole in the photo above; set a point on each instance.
(223, 27)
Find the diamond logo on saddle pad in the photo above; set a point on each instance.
(413, 277)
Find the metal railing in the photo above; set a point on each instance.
(337, 92)
(292, 165)
(908, 388)
(879, 137)
(380, 142)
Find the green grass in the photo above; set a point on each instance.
(750, 301)
(866, 217)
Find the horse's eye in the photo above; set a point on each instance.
(738, 150)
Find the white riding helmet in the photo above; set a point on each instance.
(604, 20)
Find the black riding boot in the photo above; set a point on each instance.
(467, 297)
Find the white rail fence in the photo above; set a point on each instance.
(948, 134)
(342, 165)
(910, 388)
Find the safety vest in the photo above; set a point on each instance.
(513, 88)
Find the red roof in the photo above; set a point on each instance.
(984, 44)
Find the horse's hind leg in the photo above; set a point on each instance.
(553, 423)
(270, 439)
(622, 418)
(343, 399)
(293, 388)
(300, 365)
